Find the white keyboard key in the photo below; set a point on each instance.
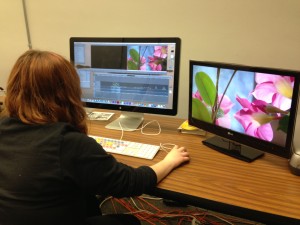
(129, 148)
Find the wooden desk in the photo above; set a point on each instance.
(264, 190)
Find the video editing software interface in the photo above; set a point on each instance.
(126, 74)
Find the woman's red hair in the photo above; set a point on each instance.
(43, 87)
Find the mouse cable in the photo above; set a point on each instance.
(167, 147)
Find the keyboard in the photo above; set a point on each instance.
(129, 148)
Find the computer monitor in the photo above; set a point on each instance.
(250, 110)
(132, 75)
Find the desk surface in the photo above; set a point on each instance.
(265, 185)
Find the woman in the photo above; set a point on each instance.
(48, 163)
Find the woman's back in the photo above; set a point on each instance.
(33, 186)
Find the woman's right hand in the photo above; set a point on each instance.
(173, 159)
(177, 156)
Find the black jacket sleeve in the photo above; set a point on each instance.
(87, 164)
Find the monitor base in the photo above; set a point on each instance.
(128, 121)
(233, 149)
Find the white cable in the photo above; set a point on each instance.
(122, 130)
(142, 128)
(144, 196)
(105, 200)
(167, 147)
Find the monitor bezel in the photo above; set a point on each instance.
(283, 151)
(163, 111)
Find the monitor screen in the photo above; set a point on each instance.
(249, 109)
(137, 75)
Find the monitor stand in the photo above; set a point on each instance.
(128, 121)
(233, 149)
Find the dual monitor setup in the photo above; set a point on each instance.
(251, 110)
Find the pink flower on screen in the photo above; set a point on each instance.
(226, 103)
(155, 63)
(254, 120)
(160, 51)
(224, 121)
(226, 106)
(274, 89)
(197, 95)
(143, 63)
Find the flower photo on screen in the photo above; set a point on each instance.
(255, 104)
(149, 58)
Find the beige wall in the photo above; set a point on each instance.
(253, 32)
(12, 35)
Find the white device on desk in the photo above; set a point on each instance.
(129, 148)
(295, 158)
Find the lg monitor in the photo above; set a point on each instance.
(250, 110)
(132, 75)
